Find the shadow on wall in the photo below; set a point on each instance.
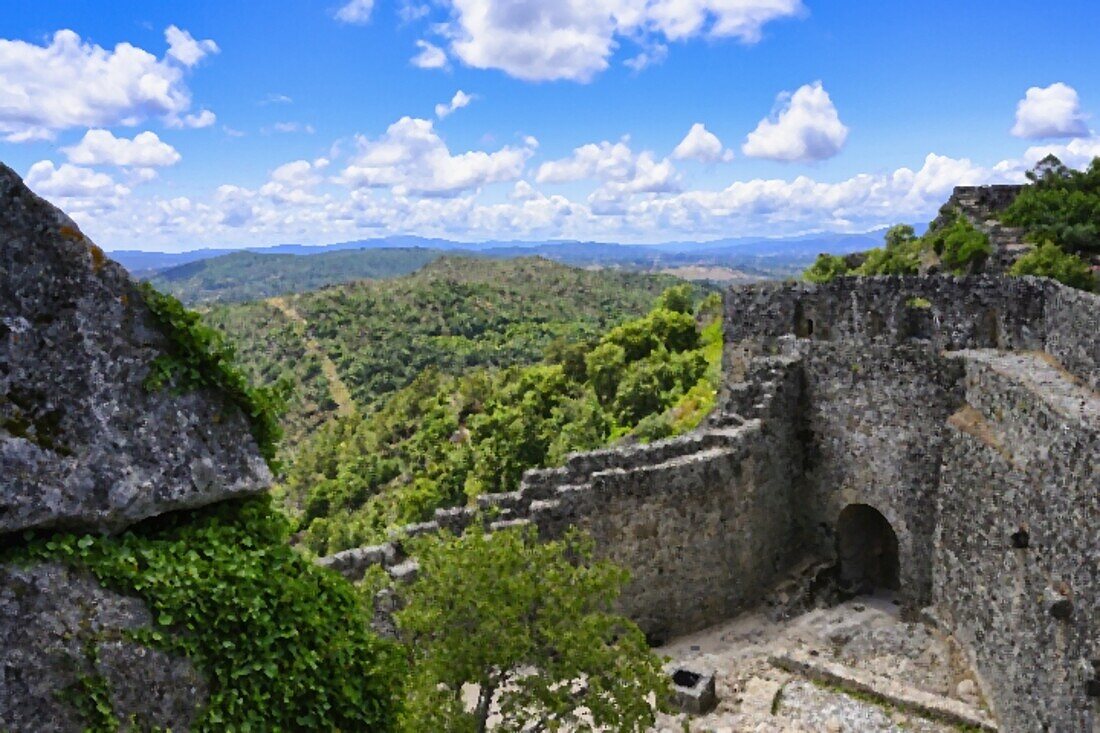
(867, 550)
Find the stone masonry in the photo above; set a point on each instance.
(965, 411)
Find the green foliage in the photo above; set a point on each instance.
(1061, 206)
(825, 268)
(282, 643)
(530, 624)
(1049, 260)
(241, 276)
(443, 439)
(199, 358)
(453, 315)
(959, 245)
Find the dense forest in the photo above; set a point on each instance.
(445, 439)
(344, 349)
(242, 276)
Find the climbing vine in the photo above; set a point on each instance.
(199, 357)
(283, 644)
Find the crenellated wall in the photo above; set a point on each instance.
(964, 410)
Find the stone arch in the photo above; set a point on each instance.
(867, 551)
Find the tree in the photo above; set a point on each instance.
(1061, 205)
(528, 623)
(825, 268)
(1048, 260)
(677, 298)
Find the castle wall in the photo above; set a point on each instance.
(1016, 546)
(949, 312)
(703, 535)
(1072, 326)
(874, 433)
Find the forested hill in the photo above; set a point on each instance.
(242, 276)
(344, 348)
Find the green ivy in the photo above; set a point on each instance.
(198, 357)
(283, 644)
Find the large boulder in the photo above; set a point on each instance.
(84, 443)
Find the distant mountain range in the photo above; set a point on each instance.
(236, 274)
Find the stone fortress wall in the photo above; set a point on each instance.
(962, 410)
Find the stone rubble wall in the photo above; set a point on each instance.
(874, 424)
(1016, 548)
(853, 392)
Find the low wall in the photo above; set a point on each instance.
(1016, 550)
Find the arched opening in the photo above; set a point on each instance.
(867, 551)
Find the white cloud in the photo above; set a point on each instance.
(100, 147)
(356, 11)
(290, 127)
(703, 145)
(1076, 153)
(458, 101)
(203, 118)
(605, 160)
(70, 83)
(430, 56)
(1053, 111)
(412, 159)
(183, 47)
(655, 54)
(74, 185)
(805, 126)
(276, 99)
(574, 39)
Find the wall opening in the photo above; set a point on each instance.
(867, 551)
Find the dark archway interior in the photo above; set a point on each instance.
(867, 550)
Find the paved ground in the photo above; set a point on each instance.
(865, 634)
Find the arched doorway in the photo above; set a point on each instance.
(867, 551)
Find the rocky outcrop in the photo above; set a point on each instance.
(62, 635)
(83, 443)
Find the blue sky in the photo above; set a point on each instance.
(181, 125)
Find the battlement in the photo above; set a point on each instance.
(956, 415)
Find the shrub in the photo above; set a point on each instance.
(826, 268)
(282, 643)
(1048, 260)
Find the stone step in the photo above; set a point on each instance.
(910, 699)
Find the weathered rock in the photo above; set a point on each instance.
(58, 628)
(82, 442)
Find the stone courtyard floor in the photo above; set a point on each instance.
(904, 667)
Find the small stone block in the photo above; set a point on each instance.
(693, 691)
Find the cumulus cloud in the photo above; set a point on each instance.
(538, 41)
(69, 83)
(412, 159)
(458, 101)
(183, 47)
(613, 164)
(430, 56)
(703, 145)
(805, 126)
(356, 11)
(1053, 111)
(74, 186)
(101, 147)
(1076, 153)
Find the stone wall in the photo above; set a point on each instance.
(964, 410)
(874, 436)
(1018, 539)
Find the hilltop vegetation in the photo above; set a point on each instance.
(242, 276)
(445, 439)
(453, 315)
(1059, 211)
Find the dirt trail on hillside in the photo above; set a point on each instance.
(341, 395)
